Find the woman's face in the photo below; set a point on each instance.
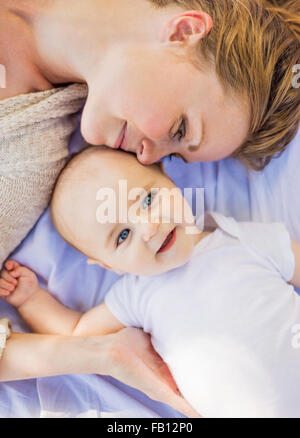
(154, 104)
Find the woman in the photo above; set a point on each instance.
(203, 79)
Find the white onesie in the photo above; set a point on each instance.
(227, 322)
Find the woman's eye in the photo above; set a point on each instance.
(180, 134)
(123, 236)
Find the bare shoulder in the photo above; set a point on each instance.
(18, 72)
(10, 86)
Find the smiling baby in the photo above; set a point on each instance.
(219, 303)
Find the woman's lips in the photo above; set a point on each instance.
(168, 242)
(120, 140)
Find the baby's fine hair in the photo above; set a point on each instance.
(74, 171)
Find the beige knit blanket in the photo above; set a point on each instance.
(35, 130)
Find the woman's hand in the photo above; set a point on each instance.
(127, 355)
(132, 359)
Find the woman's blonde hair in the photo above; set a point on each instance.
(255, 46)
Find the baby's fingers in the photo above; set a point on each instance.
(7, 276)
(5, 287)
(20, 271)
(11, 264)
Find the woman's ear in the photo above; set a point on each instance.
(104, 265)
(187, 28)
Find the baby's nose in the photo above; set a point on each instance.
(149, 231)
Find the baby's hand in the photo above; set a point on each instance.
(17, 283)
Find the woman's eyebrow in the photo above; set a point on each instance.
(194, 148)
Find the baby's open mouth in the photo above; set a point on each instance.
(168, 242)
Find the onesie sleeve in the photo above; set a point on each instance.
(273, 241)
(123, 301)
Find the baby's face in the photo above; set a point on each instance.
(131, 223)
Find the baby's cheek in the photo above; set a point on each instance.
(146, 265)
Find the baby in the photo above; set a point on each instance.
(217, 303)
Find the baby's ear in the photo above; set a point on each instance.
(104, 265)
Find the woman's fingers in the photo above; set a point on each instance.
(165, 374)
(165, 395)
(162, 392)
(134, 361)
(181, 405)
(159, 367)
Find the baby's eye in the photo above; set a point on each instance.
(181, 133)
(148, 200)
(123, 236)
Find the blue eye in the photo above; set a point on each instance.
(123, 236)
(148, 200)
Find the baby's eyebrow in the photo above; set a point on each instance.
(112, 231)
(146, 189)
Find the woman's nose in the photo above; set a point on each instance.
(149, 231)
(152, 151)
